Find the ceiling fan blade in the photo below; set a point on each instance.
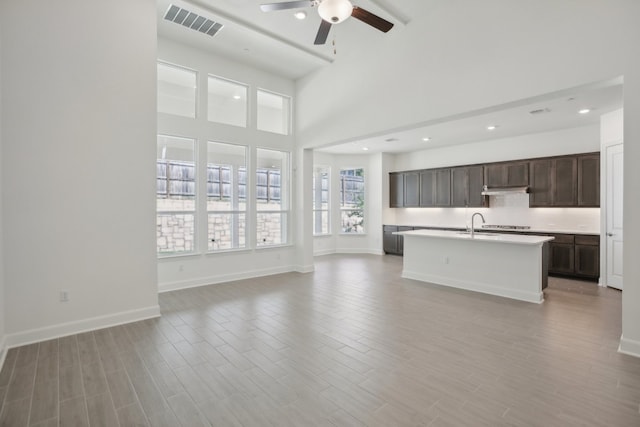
(323, 32)
(269, 7)
(371, 19)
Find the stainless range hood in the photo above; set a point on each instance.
(501, 191)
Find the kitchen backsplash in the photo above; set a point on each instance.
(511, 209)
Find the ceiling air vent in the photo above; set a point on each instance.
(192, 20)
(540, 111)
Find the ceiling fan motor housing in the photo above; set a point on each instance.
(335, 11)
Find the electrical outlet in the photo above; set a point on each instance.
(181, 268)
(64, 296)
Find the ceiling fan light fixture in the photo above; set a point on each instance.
(335, 11)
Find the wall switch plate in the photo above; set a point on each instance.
(64, 296)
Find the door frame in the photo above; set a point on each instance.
(604, 171)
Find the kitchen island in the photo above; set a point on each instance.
(507, 265)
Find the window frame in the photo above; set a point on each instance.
(193, 212)
(289, 113)
(317, 171)
(196, 89)
(285, 200)
(344, 209)
(247, 104)
(245, 212)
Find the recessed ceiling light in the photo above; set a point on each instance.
(426, 139)
(300, 15)
(236, 97)
(492, 127)
(365, 149)
(584, 111)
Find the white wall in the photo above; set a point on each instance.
(496, 52)
(78, 115)
(512, 209)
(371, 240)
(2, 303)
(584, 139)
(202, 268)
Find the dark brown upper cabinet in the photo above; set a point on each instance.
(589, 180)
(428, 188)
(411, 189)
(540, 192)
(466, 187)
(435, 188)
(566, 181)
(396, 190)
(443, 187)
(507, 174)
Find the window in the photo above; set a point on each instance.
(227, 102)
(321, 210)
(352, 200)
(226, 196)
(177, 87)
(274, 112)
(272, 197)
(175, 195)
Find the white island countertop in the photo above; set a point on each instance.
(507, 265)
(519, 239)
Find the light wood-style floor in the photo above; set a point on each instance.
(351, 344)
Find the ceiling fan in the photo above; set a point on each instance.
(332, 12)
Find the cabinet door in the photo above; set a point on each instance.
(443, 187)
(459, 187)
(561, 258)
(396, 190)
(427, 188)
(517, 174)
(494, 175)
(475, 178)
(564, 181)
(389, 240)
(540, 192)
(589, 180)
(411, 189)
(587, 261)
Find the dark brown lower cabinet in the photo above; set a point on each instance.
(575, 255)
(392, 243)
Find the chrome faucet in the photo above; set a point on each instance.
(472, 218)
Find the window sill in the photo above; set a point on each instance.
(173, 256)
(285, 245)
(228, 251)
(352, 234)
(323, 235)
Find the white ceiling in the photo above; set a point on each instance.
(511, 120)
(278, 42)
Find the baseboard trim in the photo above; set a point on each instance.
(324, 252)
(476, 287)
(359, 251)
(629, 347)
(69, 328)
(3, 350)
(305, 268)
(213, 280)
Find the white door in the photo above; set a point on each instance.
(613, 214)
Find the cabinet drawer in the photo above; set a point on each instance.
(563, 238)
(389, 228)
(587, 240)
